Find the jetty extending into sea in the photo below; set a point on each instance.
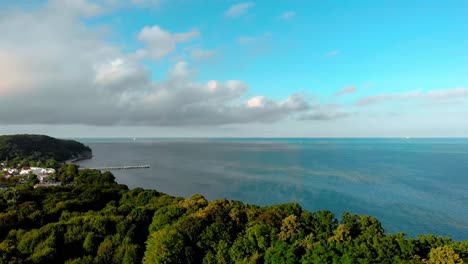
(133, 167)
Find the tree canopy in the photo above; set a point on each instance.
(93, 219)
(16, 148)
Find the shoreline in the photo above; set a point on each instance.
(79, 159)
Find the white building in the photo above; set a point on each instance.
(36, 171)
(25, 171)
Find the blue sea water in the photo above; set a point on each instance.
(416, 186)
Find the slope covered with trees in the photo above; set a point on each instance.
(92, 219)
(39, 148)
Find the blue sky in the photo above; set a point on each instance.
(395, 45)
(401, 64)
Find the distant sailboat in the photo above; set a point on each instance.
(134, 139)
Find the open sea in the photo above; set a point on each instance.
(416, 186)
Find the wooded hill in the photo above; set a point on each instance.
(40, 148)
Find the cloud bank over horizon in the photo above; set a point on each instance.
(59, 67)
(75, 77)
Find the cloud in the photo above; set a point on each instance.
(444, 94)
(202, 55)
(257, 101)
(181, 71)
(10, 70)
(146, 3)
(325, 112)
(333, 53)
(373, 99)
(239, 9)
(324, 116)
(77, 7)
(267, 110)
(88, 8)
(288, 15)
(160, 43)
(129, 3)
(118, 75)
(346, 90)
(56, 70)
(434, 95)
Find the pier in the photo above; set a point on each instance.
(120, 168)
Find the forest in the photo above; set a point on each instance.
(93, 219)
(17, 149)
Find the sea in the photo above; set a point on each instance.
(414, 186)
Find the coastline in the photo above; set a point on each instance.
(81, 157)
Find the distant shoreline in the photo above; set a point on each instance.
(85, 157)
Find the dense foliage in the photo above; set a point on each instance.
(95, 220)
(17, 148)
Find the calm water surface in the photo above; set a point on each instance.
(415, 186)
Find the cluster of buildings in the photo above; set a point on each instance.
(41, 174)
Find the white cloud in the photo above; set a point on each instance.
(77, 7)
(346, 90)
(10, 72)
(239, 9)
(146, 3)
(212, 85)
(443, 94)
(387, 97)
(288, 15)
(59, 71)
(325, 113)
(293, 102)
(111, 72)
(257, 101)
(89, 8)
(181, 71)
(160, 43)
(434, 95)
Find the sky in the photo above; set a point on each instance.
(222, 68)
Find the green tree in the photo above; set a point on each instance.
(444, 255)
